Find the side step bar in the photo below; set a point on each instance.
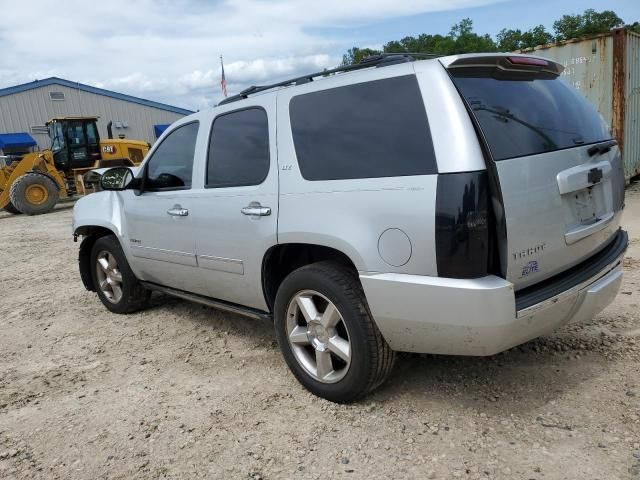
(210, 302)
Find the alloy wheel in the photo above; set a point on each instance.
(318, 336)
(109, 276)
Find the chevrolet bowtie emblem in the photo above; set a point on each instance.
(595, 175)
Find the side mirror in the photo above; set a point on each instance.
(118, 178)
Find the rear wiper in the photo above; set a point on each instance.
(510, 116)
(601, 148)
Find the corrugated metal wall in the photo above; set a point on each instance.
(21, 111)
(632, 105)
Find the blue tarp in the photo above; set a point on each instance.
(159, 129)
(16, 140)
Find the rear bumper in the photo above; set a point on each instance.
(479, 316)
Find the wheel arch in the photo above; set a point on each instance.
(95, 216)
(90, 234)
(282, 259)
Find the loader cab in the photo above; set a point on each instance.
(75, 142)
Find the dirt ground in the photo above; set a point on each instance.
(183, 391)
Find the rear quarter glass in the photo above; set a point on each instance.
(364, 130)
(520, 117)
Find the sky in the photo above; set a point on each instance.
(169, 51)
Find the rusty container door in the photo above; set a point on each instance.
(631, 151)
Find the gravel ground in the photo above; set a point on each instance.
(183, 391)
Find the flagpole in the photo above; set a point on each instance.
(223, 80)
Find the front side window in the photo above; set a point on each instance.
(56, 135)
(171, 164)
(366, 130)
(238, 149)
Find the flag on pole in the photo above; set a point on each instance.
(223, 81)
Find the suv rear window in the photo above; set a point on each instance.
(525, 117)
(366, 130)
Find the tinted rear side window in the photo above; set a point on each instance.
(367, 130)
(239, 149)
(525, 117)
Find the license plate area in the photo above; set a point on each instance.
(587, 199)
(587, 211)
(587, 205)
(584, 207)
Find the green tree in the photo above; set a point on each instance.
(355, 54)
(423, 43)
(600, 22)
(509, 40)
(465, 27)
(569, 26)
(467, 41)
(462, 39)
(589, 23)
(536, 36)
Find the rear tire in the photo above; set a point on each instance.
(34, 194)
(339, 359)
(9, 208)
(117, 287)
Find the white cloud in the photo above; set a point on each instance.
(169, 50)
(258, 70)
(135, 81)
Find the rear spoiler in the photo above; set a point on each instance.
(507, 63)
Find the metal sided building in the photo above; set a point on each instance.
(25, 108)
(606, 69)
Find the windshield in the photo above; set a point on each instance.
(56, 136)
(525, 117)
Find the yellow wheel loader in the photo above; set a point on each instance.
(33, 183)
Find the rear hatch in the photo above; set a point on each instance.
(558, 182)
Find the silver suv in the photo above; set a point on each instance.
(457, 205)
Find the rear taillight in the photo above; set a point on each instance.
(462, 225)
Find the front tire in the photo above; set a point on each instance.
(34, 194)
(9, 208)
(326, 333)
(116, 285)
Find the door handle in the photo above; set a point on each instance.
(178, 211)
(257, 210)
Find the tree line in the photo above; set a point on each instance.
(462, 39)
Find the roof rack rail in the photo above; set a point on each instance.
(412, 56)
(379, 60)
